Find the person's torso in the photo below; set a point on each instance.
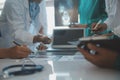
(6, 29)
(91, 11)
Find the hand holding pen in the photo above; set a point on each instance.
(18, 52)
(21, 45)
(26, 51)
(98, 27)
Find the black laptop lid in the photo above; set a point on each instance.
(63, 37)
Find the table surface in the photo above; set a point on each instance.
(72, 67)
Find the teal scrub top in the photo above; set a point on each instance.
(91, 11)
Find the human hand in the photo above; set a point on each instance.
(43, 39)
(18, 52)
(100, 27)
(104, 58)
(42, 47)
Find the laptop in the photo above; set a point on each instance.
(63, 37)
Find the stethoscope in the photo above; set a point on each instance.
(17, 70)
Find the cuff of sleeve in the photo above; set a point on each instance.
(108, 25)
(117, 31)
(26, 39)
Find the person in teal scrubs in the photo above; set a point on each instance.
(91, 11)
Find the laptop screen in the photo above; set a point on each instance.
(63, 37)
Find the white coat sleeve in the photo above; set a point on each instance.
(111, 11)
(15, 19)
(113, 21)
(43, 16)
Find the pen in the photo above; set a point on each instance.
(97, 24)
(16, 43)
(19, 45)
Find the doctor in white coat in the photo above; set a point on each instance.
(22, 21)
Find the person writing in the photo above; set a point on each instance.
(90, 11)
(106, 58)
(15, 52)
(23, 21)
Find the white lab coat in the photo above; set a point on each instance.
(15, 22)
(113, 20)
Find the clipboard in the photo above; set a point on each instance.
(103, 41)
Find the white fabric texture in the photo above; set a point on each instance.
(15, 22)
(113, 20)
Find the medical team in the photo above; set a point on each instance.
(25, 21)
